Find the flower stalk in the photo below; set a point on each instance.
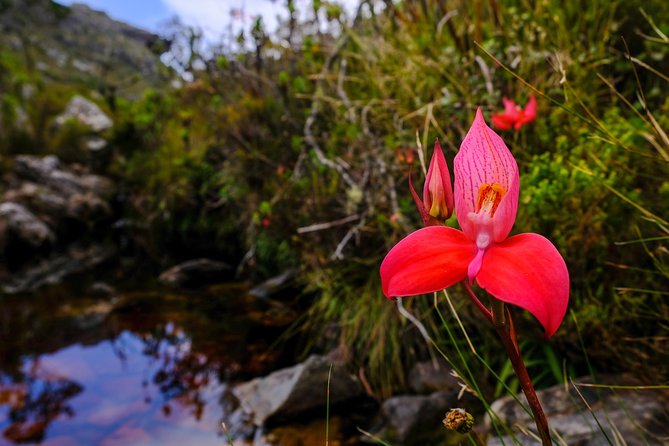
(512, 350)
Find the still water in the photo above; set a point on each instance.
(149, 368)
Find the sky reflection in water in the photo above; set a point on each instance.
(130, 395)
(140, 369)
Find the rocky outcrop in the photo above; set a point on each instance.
(76, 258)
(63, 181)
(639, 417)
(290, 394)
(21, 227)
(77, 44)
(46, 208)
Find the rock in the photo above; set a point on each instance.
(49, 205)
(639, 417)
(416, 419)
(17, 222)
(196, 272)
(47, 172)
(102, 289)
(432, 376)
(87, 208)
(91, 316)
(291, 392)
(273, 285)
(95, 144)
(88, 113)
(58, 195)
(53, 269)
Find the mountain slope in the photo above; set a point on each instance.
(77, 45)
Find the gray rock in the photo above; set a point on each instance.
(432, 376)
(53, 269)
(18, 222)
(294, 391)
(92, 316)
(196, 272)
(57, 195)
(639, 417)
(95, 144)
(40, 199)
(88, 113)
(417, 419)
(102, 289)
(88, 208)
(48, 172)
(273, 284)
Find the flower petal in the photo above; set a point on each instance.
(484, 159)
(427, 260)
(502, 121)
(528, 271)
(511, 110)
(530, 111)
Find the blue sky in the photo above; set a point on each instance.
(146, 14)
(213, 16)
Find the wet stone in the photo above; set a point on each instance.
(640, 417)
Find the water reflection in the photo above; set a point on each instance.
(143, 368)
(34, 401)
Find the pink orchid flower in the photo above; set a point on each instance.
(437, 204)
(514, 116)
(524, 270)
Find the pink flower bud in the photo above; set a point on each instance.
(438, 192)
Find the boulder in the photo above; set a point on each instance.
(87, 112)
(88, 207)
(95, 144)
(639, 417)
(49, 205)
(416, 419)
(48, 172)
(18, 224)
(55, 193)
(432, 376)
(77, 259)
(195, 273)
(294, 391)
(273, 285)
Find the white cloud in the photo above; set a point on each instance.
(215, 18)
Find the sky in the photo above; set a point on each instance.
(212, 16)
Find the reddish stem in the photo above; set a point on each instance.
(521, 371)
(487, 313)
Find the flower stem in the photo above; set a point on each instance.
(487, 313)
(499, 321)
(477, 438)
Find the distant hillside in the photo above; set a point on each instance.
(81, 46)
